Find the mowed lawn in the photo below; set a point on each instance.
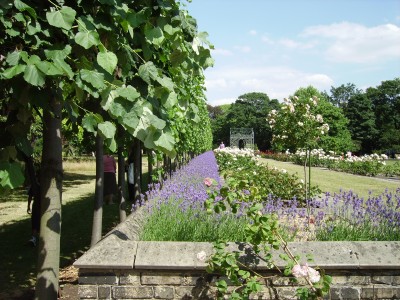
(333, 181)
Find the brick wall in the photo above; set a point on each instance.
(118, 268)
(146, 284)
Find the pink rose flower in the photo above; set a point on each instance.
(208, 182)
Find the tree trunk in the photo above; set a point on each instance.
(50, 202)
(137, 161)
(98, 194)
(121, 177)
(150, 161)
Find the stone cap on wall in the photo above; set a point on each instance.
(121, 249)
(116, 253)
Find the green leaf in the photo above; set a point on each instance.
(58, 54)
(61, 64)
(49, 68)
(131, 120)
(13, 58)
(108, 61)
(166, 82)
(129, 93)
(171, 30)
(13, 32)
(164, 140)
(87, 39)
(154, 35)
(148, 71)
(94, 78)
(177, 57)
(168, 99)
(134, 19)
(13, 71)
(11, 175)
(21, 6)
(89, 122)
(34, 76)
(108, 96)
(107, 129)
(32, 30)
(156, 122)
(63, 18)
(111, 144)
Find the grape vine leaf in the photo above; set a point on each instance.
(21, 6)
(108, 61)
(107, 129)
(87, 39)
(63, 18)
(94, 78)
(33, 75)
(13, 71)
(11, 175)
(148, 71)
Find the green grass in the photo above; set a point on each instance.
(18, 259)
(332, 181)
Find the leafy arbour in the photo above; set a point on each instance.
(141, 61)
(103, 64)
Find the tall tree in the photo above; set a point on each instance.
(248, 111)
(359, 111)
(341, 95)
(385, 99)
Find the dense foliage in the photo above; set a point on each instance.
(248, 111)
(139, 65)
(364, 122)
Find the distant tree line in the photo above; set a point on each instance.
(359, 121)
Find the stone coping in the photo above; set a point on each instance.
(120, 249)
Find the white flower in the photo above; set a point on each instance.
(300, 123)
(299, 271)
(319, 118)
(313, 275)
(201, 256)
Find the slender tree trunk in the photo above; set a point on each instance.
(50, 202)
(121, 177)
(98, 195)
(150, 158)
(137, 161)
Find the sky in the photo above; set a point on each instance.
(278, 46)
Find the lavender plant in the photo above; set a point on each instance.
(262, 237)
(176, 211)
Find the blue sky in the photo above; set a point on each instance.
(277, 46)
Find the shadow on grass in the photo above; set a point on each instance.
(72, 179)
(18, 258)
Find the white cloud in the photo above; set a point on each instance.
(253, 32)
(228, 83)
(221, 51)
(244, 49)
(220, 83)
(289, 43)
(222, 101)
(350, 42)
